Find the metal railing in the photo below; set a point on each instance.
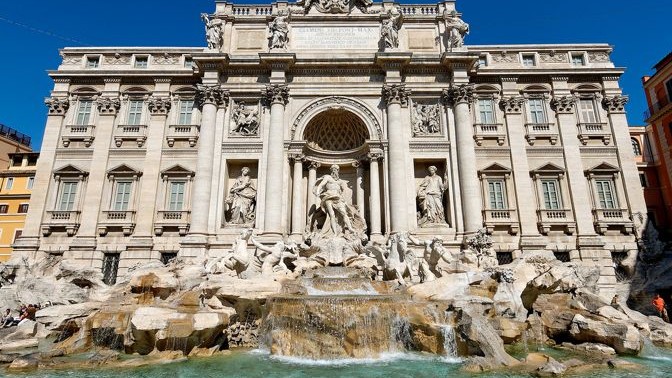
(14, 135)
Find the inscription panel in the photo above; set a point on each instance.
(335, 38)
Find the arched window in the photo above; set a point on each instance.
(635, 147)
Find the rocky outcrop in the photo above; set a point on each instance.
(481, 339)
(625, 339)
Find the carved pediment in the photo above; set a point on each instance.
(603, 169)
(70, 171)
(177, 171)
(548, 169)
(495, 169)
(123, 171)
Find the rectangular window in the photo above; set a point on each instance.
(497, 194)
(17, 234)
(186, 108)
(110, 268)
(606, 194)
(30, 183)
(23, 208)
(66, 201)
(551, 193)
(176, 196)
(92, 61)
(486, 111)
(537, 114)
(135, 112)
(141, 62)
(10, 183)
(642, 180)
(188, 63)
(482, 61)
(84, 112)
(122, 196)
(578, 60)
(17, 161)
(4, 209)
(587, 109)
(528, 60)
(668, 85)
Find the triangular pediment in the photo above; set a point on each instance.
(548, 168)
(123, 170)
(495, 168)
(70, 171)
(603, 168)
(177, 171)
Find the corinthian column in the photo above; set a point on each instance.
(297, 194)
(277, 96)
(395, 95)
(359, 187)
(374, 193)
(312, 179)
(210, 98)
(460, 98)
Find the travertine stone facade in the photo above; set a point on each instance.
(143, 146)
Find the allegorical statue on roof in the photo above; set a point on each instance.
(335, 6)
(213, 31)
(389, 32)
(278, 31)
(456, 30)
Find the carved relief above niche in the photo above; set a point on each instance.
(425, 119)
(245, 119)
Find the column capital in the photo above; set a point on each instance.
(512, 105)
(212, 94)
(276, 93)
(158, 105)
(395, 94)
(296, 157)
(375, 156)
(563, 104)
(312, 164)
(57, 105)
(357, 164)
(108, 105)
(458, 94)
(615, 104)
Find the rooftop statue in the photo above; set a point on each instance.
(456, 30)
(213, 31)
(390, 29)
(334, 6)
(277, 32)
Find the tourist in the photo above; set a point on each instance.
(7, 319)
(614, 301)
(659, 304)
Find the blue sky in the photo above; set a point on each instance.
(31, 34)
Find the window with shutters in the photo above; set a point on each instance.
(10, 183)
(186, 108)
(551, 194)
(67, 196)
(4, 209)
(176, 195)
(497, 194)
(486, 111)
(587, 111)
(23, 208)
(606, 194)
(83, 116)
(636, 149)
(537, 113)
(30, 183)
(135, 112)
(122, 195)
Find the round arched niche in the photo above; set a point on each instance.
(336, 130)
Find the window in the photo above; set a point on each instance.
(17, 234)
(186, 108)
(92, 61)
(23, 208)
(497, 194)
(141, 61)
(605, 194)
(188, 63)
(84, 112)
(176, 195)
(4, 209)
(30, 183)
(122, 195)
(635, 147)
(32, 160)
(528, 60)
(486, 111)
(110, 268)
(551, 193)
(17, 160)
(668, 85)
(537, 114)
(135, 112)
(482, 61)
(10, 183)
(587, 109)
(642, 180)
(66, 201)
(578, 60)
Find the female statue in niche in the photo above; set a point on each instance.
(430, 199)
(242, 199)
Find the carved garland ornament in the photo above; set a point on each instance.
(337, 101)
(276, 93)
(159, 105)
(108, 105)
(564, 104)
(57, 106)
(212, 94)
(395, 94)
(512, 105)
(458, 94)
(615, 104)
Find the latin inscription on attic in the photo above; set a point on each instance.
(335, 37)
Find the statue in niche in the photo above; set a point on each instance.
(242, 200)
(425, 119)
(277, 32)
(456, 30)
(213, 32)
(237, 260)
(389, 32)
(430, 199)
(273, 258)
(340, 218)
(246, 119)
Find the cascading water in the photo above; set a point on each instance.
(449, 342)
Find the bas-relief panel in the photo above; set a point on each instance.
(250, 40)
(422, 40)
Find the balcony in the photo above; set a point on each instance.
(604, 219)
(549, 219)
(188, 133)
(78, 133)
(172, 219)
(501, 218)
(589, 131)
(536, 131)
(67, 220)
(123, 220)
(495, 131)
(131, 133)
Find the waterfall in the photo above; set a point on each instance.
(449, 342)
(650, 351)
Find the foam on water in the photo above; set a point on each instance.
(382, 359)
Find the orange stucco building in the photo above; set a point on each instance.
(655, 143)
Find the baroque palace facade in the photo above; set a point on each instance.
(373, 112)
